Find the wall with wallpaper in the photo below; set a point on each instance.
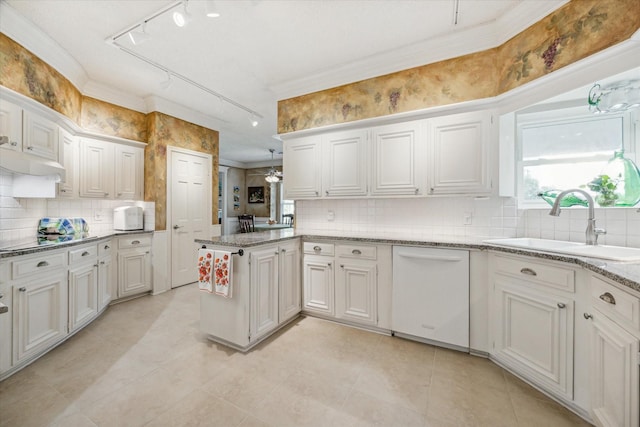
(28, 75)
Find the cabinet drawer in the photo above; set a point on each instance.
(356, 251)
(544, 274)
(318, 248)
(615, 303)
(83, 254)
(104, 248)
(39, 263)
(133, 242)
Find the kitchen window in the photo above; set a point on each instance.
(566, 147)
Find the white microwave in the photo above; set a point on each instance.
(128, 218)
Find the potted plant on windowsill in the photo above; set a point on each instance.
(605, 187)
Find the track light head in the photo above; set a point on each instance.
(181, 17)
(139, 36)
(253, 120)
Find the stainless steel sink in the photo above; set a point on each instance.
(615, 253)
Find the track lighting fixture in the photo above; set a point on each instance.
(139, 36)
(211, 9)
(181, 17)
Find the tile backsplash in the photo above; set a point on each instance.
(464, 217)
(19, 217)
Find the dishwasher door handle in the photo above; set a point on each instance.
(433, 257)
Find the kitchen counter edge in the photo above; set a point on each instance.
(624, 273)
(93, 239)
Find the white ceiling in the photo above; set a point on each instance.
(256, 53)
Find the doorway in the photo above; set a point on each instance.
(189, 210)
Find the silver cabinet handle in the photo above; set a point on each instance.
(561, 305)
(22, 289)
(588, 316)
(528, 272)
(326, 192)
(106, 194)
(175, 227)
(317, 248)
(283, 250)
(417, 190)
(63, 191)
(30, 148)
(42, 264)
(14, 143)
(277, 253)
(135, 242)
(107, 247)
(95, 265)
(119, 194)
(341, 265)
(317, 194)
(147, 252)
(1, 296)
(102, 262)
(607, 297)
(3, 308)
(85, 253)
(356, 252)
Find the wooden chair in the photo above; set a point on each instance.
(287, 219)
(246, 223)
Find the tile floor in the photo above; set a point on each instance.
(144, 362)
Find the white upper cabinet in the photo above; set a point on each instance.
(129, 172)
(397, 159)
(111, 170)
(96, 168)
(459, 153)
(302, 168)
(344, 165)
(27, 132)
(68, 157)
(39, 136)
(11, 125)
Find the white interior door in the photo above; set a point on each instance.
(190, 211)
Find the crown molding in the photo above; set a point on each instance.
(447, 46)
(156, 103)
(109, 94)
(32, 38)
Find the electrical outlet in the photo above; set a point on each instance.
(331, 216)
(466, 218)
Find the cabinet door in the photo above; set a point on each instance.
(11, 125)
(96, 168)
(134, 272)
(40, 136)
(344, 165)
(302, 168)
(534, 334)
(105, 279)
(39, 314)
(356, 291)
(289, 277)
(68, 156)
(83, 295)
(397, 159)
(129, 172)
(614, 374)
(318, 290)
(459, 154)
(264, 291)
(6, 325)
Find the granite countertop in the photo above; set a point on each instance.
(20, 250)
(624, 273)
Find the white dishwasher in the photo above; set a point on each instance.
(431, 295)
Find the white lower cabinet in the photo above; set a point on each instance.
(39, 313)
(341, 282)
(533, 323)
(134, 265)
(265, 296)
(83, 295)
(264, 291)
(318, 292)
(615, 355)
(106, 280)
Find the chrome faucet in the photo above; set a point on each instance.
(592, 233)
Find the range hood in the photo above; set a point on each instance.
(28, 164)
